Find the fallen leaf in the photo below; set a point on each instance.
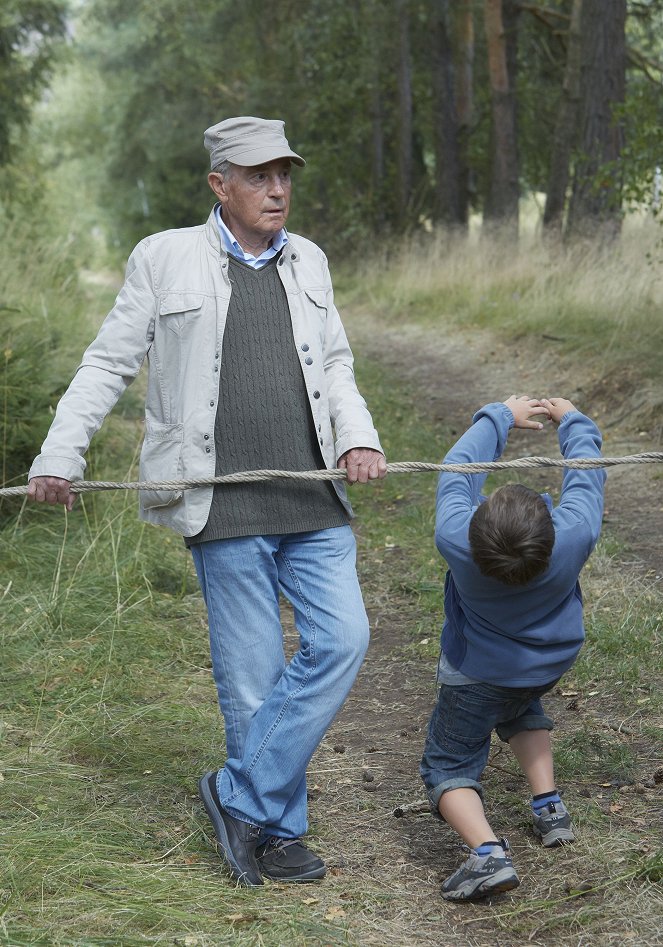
(333, 913)
(310, 900)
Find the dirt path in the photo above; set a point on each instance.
(457, 373)
(368, 765)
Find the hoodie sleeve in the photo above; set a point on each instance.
(581, 500)
(459, 494)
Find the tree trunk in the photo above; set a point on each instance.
(502, 202)
(404, 96)
(377, 143)
(566, 131)
(447, 206)
(464, 72)
(595, 209)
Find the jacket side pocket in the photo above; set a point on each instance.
(161, 459)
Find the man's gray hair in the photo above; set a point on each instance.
(224, 168)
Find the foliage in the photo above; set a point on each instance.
(30, 35)
(42, 328)
(146, 78)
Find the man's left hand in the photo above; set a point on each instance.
(363, 464)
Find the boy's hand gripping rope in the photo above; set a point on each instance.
(250, 476)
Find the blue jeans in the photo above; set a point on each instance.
(275, 713)
(458, 741)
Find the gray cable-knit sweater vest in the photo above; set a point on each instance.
(264, 420)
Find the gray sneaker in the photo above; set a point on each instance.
(553, 826)
(482, 875)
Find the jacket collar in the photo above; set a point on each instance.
(213, 236)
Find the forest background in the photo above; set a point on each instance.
(481, 165)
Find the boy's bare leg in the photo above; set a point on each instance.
(533, 751)
(462, 809)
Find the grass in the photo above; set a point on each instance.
(108, 716)
(565, 298)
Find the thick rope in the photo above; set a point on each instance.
(251, 476)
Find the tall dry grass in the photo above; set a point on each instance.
(598, 302)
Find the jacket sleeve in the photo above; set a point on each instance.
(353, 425)
(108, 366)
(581, 499)
(459, 494)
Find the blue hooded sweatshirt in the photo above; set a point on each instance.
(526, 635)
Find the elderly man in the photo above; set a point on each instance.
(249, 367)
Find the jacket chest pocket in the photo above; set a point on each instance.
(177, 311)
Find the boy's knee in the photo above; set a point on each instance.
(436, 793)
(507, 731)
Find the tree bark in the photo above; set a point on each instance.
(595, 209)
(464, 73)
(502, 202)
(566, 130)
(404, 96)
(447, 205)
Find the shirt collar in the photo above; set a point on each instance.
(231, 245)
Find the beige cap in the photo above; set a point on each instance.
(248, 141)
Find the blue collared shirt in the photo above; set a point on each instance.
(231, 245)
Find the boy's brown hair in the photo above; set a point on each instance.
(512, 535)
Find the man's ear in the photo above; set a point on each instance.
(218, 185)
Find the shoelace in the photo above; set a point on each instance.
(281, 843)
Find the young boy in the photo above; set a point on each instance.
(513, 625)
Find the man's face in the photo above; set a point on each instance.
(255, 201)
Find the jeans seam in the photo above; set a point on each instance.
(303, 682)
(214, 624)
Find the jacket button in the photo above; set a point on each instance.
(206, 436)
(316, 394)
(211, 404)
(320, 440)
(208, 450)
(319, 427)
(305, 347)
(309, 360)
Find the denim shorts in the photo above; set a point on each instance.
(460, 728)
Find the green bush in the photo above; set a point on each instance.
(42, 332)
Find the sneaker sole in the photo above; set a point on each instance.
(221, 834)
(505, 880)
(555, 837)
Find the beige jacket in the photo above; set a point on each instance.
(172, 310)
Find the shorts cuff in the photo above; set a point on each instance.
(434, 795)
(530, 722)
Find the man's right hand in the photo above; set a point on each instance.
(557, 408)
(51, 490)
